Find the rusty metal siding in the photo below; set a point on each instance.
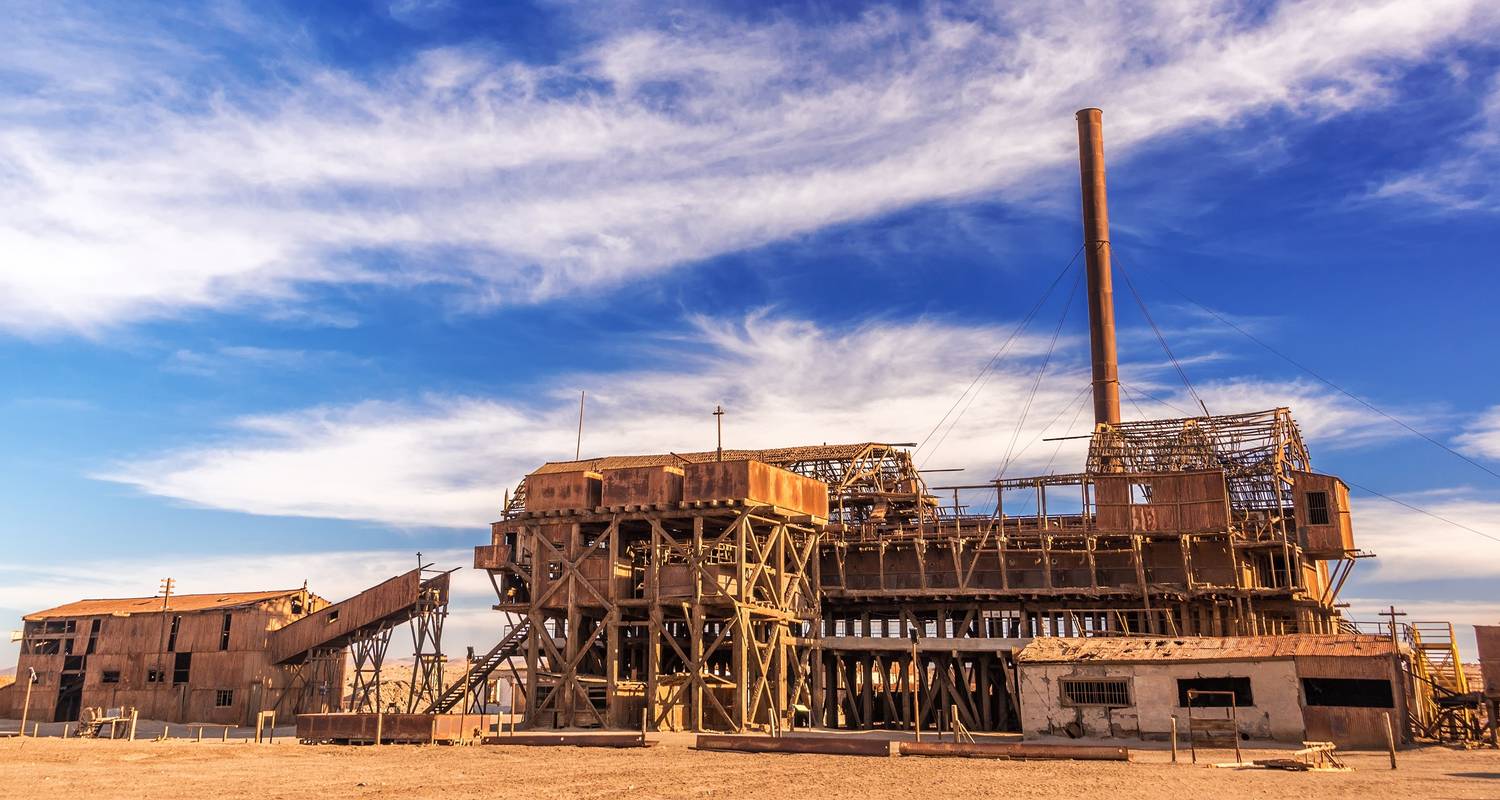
(343, 618)
(563, 491)
(1335, 538)
(755, 482)
(642, 486)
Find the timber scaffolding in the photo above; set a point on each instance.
(714, 599)
(636, 593)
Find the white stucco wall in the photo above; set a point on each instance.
(1277, 713)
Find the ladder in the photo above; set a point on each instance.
(481, 669)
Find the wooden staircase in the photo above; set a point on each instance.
(480, 671)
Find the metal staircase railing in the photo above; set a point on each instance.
(480, 671)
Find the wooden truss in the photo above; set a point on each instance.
(687, 617)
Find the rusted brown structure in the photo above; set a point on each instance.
(204, 658)
(223, 658)
(908, 609)
(689, 601)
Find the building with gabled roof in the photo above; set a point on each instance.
(202, 658)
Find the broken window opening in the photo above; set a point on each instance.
(1348, 692)
(1239, 686)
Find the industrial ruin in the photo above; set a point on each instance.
(1188, 566)
(831, 586)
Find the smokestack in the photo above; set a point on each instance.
(1096, 251)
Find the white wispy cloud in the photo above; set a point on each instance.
(230, 358)
(446, 460)
(1413, 546)
(1462, 178)
(655, 147)
(1482, 435)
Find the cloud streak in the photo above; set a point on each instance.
(446, 460)
(653, 148)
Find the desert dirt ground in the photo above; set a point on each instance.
(51, 767)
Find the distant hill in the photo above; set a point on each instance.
(7, 676)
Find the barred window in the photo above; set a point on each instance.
(1114, 693)
(223, 698)
(1317, 508)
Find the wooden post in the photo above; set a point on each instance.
(200, 734)
(379, 726)
(1174, 738)
(226, 733)
(36, 728)
(916, 691)
(1390, 736)
(134, 715)
(26, 708)
(1234, 716)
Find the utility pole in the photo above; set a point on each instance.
(161, 670)
(578, 449)
(1393, 613)
(1096, 246)
(719, 421)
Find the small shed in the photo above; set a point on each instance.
(1284, 688)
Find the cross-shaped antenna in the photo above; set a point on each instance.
(1393, 613)
(719, 423)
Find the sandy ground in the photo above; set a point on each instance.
(183, 768)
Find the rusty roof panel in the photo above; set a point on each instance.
(147, 605)
(775, 456)
(1130, 649)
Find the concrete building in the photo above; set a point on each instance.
(202, 658)
(1285, 688)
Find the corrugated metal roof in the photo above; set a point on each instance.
(774, 456)
(1118, 649)
(146, 605)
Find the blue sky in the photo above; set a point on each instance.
(289, 292)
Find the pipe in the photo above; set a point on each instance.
(1106, 367)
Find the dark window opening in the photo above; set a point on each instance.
(1348, 692)
(73, 664)
(182, 667)
(1317, 508)
(68, 647)
(1096, 693)
(61, 626)
(223, 698)
(224, 632)
(297, 605)
(172, 637)
(1239, 686)
(333, 616)
(46, 647)
(93, 637)
(155, 675)
(110, 676)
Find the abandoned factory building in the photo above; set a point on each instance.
(1285, 688)
(195, 658)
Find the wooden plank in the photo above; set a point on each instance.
(570, 740)
(824, 745)
(1015, 751)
